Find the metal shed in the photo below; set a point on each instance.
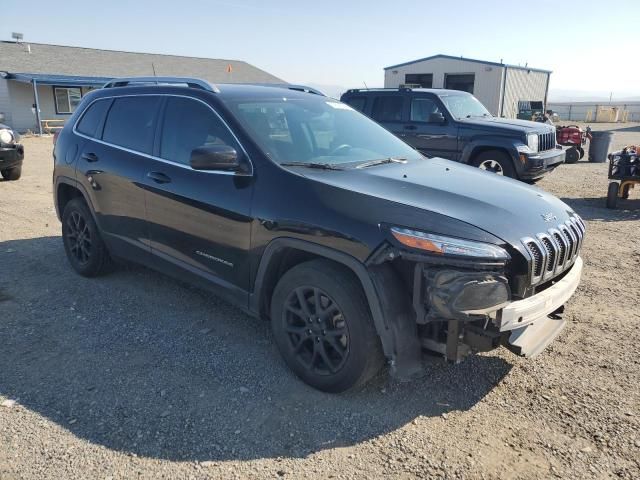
(498, 86)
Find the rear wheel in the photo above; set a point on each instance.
(322, 326)
(12, 173)
(572, 155)
(612, 195)
(625, 191)
(83, 244)
(495, 161)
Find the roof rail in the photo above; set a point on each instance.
(189, 82)
(290, 86)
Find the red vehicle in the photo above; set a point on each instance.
(574, 137)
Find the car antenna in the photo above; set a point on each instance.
(365, 85)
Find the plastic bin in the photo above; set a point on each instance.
(599, 146)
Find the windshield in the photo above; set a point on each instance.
(318, 130)
(464, 106)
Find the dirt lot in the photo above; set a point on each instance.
(135, 375)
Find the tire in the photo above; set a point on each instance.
(572, 155)
(343, 350)
(83, 243)
(12, 173)
(625, 191)
(495, 161)
(612, 195)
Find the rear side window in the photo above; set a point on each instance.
(130, 123)
(92, 117)
(357, 102)
(189, 124)
(387, 108)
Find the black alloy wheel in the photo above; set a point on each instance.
(316, 330)
(78, 237)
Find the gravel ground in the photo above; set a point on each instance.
(135, 375)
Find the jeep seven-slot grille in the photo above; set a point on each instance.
(554, 251)
(546, 141)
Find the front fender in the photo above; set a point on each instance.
(490, 143)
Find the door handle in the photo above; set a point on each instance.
(410, 127)
(159, 177)
(90, 157)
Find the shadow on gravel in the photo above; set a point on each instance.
(595, 208)
(139, 363)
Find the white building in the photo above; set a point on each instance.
(497, 85)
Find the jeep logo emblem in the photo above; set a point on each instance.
(547, 217)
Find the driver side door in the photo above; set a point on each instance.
(431, 137)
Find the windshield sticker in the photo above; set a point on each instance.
(339, 106)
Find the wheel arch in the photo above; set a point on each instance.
(281, 254)
(66, 190)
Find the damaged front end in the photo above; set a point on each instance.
(458, 306)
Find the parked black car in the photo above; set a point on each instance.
(11, 153)
(301, 210)
(455, 125)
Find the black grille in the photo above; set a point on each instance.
(551, 252)
(546, 141)
(537, 258)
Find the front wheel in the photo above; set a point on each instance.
(322, 326)
(12, 173)
(612, 195)
(495, 161)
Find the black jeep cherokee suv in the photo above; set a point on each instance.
(301, 210)
(455, 125)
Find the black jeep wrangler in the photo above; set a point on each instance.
(455, 125)
(300, 210)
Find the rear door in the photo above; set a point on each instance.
(199, 221)
(388, 109)
(112, 165)
(424, 132)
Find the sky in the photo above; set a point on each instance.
(591, 46)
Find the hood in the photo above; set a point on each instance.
(519, 126)
(505, 208)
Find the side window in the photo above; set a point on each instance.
(357, 102)
(421, 108)
(92, 117)
(187, 125)
(130, 123)
(387, 108)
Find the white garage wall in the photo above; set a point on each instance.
(522, 85)
(488, 78)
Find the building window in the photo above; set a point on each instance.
(462, 82)
(67, 99)
(425, 80)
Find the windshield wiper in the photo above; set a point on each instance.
(382, 161)
(319, 166)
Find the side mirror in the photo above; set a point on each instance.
(215, 157)
(436, 117)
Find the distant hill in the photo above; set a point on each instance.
(559, 95)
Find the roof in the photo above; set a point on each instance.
(435, 91)
(484, 62)
(41, 58)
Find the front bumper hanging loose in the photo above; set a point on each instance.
(530, 320)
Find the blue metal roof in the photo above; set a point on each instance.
(484, 62)
(60, 80)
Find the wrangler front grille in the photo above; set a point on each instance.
(546, 141)
(555, 250)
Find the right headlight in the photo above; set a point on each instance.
(532, 142)
(442, 245)
(6, 136)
